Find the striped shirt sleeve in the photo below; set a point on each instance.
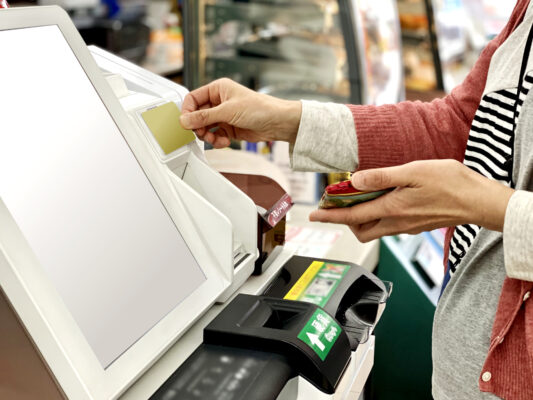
(517, 236)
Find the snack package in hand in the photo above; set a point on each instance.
(343, 194)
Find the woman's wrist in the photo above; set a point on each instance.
(290, 113)
(491, 203)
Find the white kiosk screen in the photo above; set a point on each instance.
(81, 199)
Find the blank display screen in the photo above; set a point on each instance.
(81, 199)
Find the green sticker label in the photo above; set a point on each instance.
(320, 333)
(318, 283)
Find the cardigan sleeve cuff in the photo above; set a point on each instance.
(326, 139)
(517, 234)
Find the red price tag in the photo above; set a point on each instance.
(278, 210)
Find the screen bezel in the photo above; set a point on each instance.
(32, 294)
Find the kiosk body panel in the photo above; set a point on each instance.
(21, 362)
(55, 314)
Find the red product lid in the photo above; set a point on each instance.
(342, 188)
(3, 4)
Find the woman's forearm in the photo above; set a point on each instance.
(396, 134)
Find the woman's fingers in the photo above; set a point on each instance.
(195, 99)
(213, 94)
(356, 215)
(371, 230)
(205, 117)
(383, 178)
(221, 142)
(208, 94)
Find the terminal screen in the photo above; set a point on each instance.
(81, 199)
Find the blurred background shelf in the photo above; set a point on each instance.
(344, 51)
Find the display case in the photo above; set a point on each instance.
(379, 32)
(454, 52)
(329, 50)
(442, 40)
(423, 70)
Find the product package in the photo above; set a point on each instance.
(343, 194)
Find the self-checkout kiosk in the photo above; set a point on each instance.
(129, 268)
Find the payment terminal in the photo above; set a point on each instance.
(126, 261)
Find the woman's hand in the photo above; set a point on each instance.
(428, 195)
(224, 110)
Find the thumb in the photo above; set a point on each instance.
(382, 178)
(203, 118)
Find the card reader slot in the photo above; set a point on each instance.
(361, 303)
(283, 319)
(357, 302)
(288, 328)
(261, 314)
(357, 335)
(239, 258)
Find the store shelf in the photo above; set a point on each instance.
(307, 14)
(415, 35)
(244, 68)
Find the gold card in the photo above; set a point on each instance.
(164, 123)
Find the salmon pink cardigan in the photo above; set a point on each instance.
(411, 131)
